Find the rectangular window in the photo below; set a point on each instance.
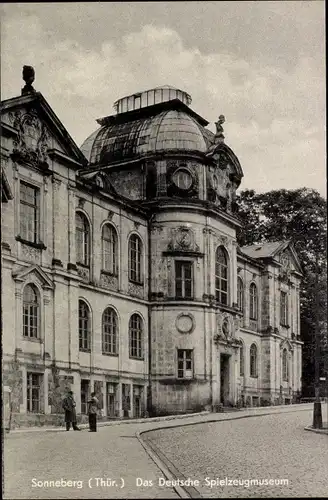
(283, 308)
(34, 381)
(185, 363)
(183, 279)
(29, 216)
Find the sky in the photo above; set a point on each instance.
(259, 63)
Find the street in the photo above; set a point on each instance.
(85, 465)
(272, 447)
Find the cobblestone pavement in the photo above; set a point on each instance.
(267, 447)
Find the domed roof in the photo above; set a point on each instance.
(164, 130)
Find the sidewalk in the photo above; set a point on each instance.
(205, 416)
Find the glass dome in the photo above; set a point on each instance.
(168, 130)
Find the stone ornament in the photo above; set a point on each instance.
(183, 239)
(109, 281)
(136, 290)
(225, 326)
(31, 143)
(28, 77)
(185, 323)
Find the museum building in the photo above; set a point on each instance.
(121, 271)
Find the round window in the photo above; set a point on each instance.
(182, 179)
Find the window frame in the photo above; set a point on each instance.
(35, 315)
(136, 337)
(253, 302)
(283, 308)
(24, 207)
(135, 258)
(85, 329)
(30, 387)
(242, 360)
(240, 294)
(182, 279)
(182, 358)
(111, 252)
(285, 368)
(220, 269)
(85, 237)
(112, 341)
(253, 360)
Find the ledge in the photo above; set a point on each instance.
(39, 246)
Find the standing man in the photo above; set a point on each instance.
(93, 405)
(70, 412)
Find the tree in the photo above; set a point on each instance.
(300, 216)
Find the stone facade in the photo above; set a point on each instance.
(195, 347)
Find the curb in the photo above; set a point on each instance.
(317, 431)
(110, 423)
(293, 407)
(169, 469)
(161, 465)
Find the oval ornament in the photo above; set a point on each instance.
(185, 323)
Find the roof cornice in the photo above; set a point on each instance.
(174, 104)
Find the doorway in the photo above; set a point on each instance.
(84, 395)
(224, 378)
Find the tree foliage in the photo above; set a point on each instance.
(300, 216)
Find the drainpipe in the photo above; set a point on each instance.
(149, 392)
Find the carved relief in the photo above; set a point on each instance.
(32, 141)
(226, 326)
(108, 281)
(84, 273)
(30, 253)
(136, 290)
(183, 239)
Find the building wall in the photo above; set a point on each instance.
(195, 324)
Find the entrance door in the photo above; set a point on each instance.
(84, 395)
(137, 394)
(126, 399)
(224, 378)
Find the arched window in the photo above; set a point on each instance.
(241, 360)
(109, 331)
(283, 308)
(240, 294)
(253, 360)
(84, 326)
(135, 256)
(285, 365)
(109, 249)
(31, 312)
(221, 276)
(253, 301)
(82, 239)
(136, 336)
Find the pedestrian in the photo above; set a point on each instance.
(93, 405)
(70, 412)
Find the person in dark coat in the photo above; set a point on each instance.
(70, 412)
(93, 406)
